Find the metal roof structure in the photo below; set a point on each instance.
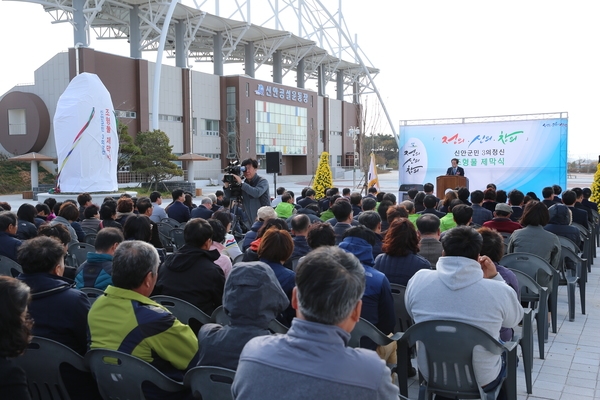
(323, 39)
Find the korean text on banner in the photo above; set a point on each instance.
(86, 139)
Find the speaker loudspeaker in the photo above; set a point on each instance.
(273, 162)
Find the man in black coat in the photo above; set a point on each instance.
(587, 193)
(309, 198)
(569, 198)
(205, 209)
(579, 205)
(190, 273)
(429, 202)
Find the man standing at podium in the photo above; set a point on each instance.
(455, 169)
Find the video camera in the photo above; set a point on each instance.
(234, 168)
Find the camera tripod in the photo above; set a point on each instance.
(237, 227)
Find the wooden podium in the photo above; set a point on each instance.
(444, 182)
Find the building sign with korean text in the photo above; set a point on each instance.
(281, 93)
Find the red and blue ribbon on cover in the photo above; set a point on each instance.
(75, 143)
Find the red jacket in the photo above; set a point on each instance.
(502, 225)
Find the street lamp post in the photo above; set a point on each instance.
(354, 132)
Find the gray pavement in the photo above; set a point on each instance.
(570, 370)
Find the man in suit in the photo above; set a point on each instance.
(455, 169)
(548, 195)
(587, 193)
(177, 210)
(578, 204)
(557, 190)
(372, 192)
(515, 199)
(428, 189)
(480, 214)
(342, 211)
(429, 202)
(569, 198)
(205, 209)
(356, 202)
(309, 198)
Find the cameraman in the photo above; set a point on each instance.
(255, 189)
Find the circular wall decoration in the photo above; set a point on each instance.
(37, 123)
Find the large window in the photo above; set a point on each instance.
(281, 127)
(232, 136)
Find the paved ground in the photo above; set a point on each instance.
(571, 368)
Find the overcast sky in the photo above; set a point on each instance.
(438, 59)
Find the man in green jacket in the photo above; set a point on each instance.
(127, 320)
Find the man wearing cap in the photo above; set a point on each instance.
(501, 221)
(262, 215)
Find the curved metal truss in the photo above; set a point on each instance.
(312, 20)
(322, 42)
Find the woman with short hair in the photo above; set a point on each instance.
(125, 207)
(276, 247)
(67, 213)
(399, 260)
(91, 216)
(533, 238)
(26, 228)
(218, 243)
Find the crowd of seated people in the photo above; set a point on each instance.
(390, 242)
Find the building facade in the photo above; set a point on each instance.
(220, 117)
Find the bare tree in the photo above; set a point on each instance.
(231, 136)
(370, 123)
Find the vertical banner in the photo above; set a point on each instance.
(372, 178)
(85, 135)
(525, 155)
